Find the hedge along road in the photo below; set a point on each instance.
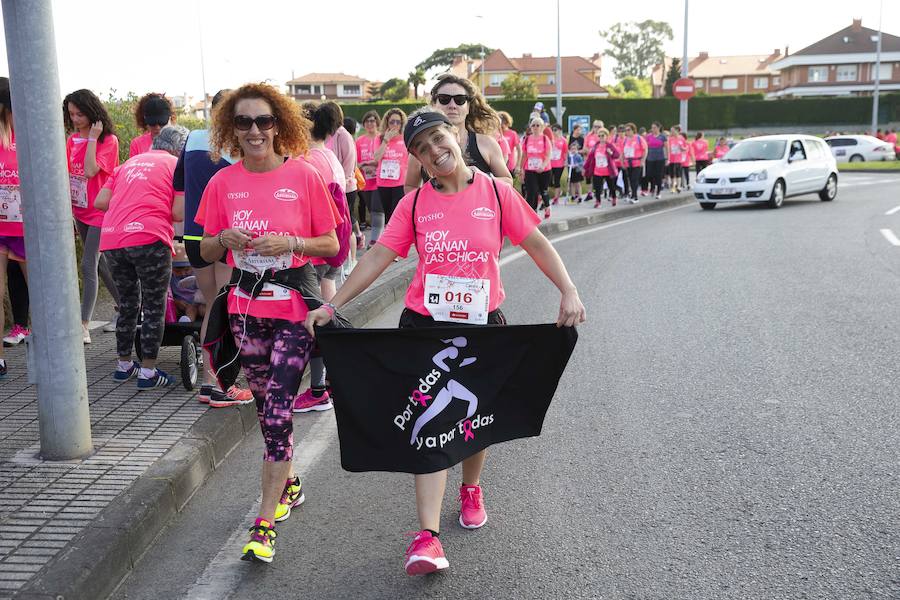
(726, 429)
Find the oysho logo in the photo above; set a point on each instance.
(430, 218)
(237, 195)
(133, 227)
(286, 195)
(484, 213)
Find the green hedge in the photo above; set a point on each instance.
(705, 112)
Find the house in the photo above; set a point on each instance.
(717, 75)
(333, 86)
(580, 76)
(841, 64)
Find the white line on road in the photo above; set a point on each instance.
(889, 236)
(892, 211)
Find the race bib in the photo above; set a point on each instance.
(270, 291)
(457, 299)
(629, 151)
(602, 162)
(250, 260)
(555, 154)
(10, 204)
(390, 169)
(676, 149)
(78, 191)
(535, 163)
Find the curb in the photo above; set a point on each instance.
(868, 170)
(95, 562)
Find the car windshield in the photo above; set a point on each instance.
(756, 150)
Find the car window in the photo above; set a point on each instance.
(813, 149)
(797, 151)
(756, 150)
(838, 142)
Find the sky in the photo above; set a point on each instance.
(120, 45)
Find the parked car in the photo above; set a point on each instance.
(769, 169)
(858, 148)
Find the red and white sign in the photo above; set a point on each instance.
(684, 88)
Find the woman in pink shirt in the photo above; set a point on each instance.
(92, 154)
(267, 215)
(677, 148)
(12, 232)
(140, 208)
(634, 154)
(686, 162)
(151, 113)
(392, 160)
(722, 148)
(601, 166)
(512, 138)
(455, 190)
(700, 147)
(366, 145)
(558, 155)
(535, 165)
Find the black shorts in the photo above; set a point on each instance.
(557, 176)
(192, 249)
(410, 319)
(576, 177)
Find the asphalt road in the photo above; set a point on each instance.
(727, 428)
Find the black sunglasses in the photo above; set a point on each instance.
(245, 123)
(458, 99)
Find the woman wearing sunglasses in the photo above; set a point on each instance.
(267, 213)
(464, 106)
(455, 190)
(92, 154)
(535, 165)
(392, 159)
(152, 113)
(366, 145)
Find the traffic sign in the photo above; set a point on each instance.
(684, 88)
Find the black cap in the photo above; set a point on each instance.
(420, 123)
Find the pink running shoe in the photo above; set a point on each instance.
(471, 507)
(306, 402)
(240, 394)
(425, 554)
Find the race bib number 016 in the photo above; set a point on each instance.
(10, 204)
(78, 191)
(457, 299)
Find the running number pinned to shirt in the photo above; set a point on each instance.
(10, 204)
(390, 169)
(535, 163)
(78, 191)
(251, 260)
(457, 299)
(602, 161)
(628, 151)
(555, 153)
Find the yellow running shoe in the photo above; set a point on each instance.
(262, 542)
(291, 496)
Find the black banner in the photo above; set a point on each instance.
(422, 400)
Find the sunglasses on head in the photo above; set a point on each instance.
(245, 123)
(458, 99)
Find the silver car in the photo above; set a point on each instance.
(859, 148)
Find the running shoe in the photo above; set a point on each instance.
(160, 379)
(425, 554)
(361, 242)
(111, 326)
(126, 374)
(555, 200)
(2, 368)
(547, 213)
(206, 390)
(262, 542)
(306, 402)
(85, 334)
(291, 497)
(597, 204)
(233, 397)
(471, 507)
(16, 335)
(613, 201)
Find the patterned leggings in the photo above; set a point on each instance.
(274, 353)
(141, 275)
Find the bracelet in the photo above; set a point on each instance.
(302, 244)
(90, 139)
(329, 307)
(219, 237)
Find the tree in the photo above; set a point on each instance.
(632, 87)
(444, 57)
(673, 75)
(416, 78)
(394, 89)
(518, 87)
(637, 47)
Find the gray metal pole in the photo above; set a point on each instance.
(683, 106)
(57, 351)
(559, 112)
(877, 90)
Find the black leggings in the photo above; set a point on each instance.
(655, 170)
(142, 275)
(387, 198)
(352, 201)
(598, 180)
(410, 319)
(364, 204)
(536, 185)
(633, 177)
(18, 293)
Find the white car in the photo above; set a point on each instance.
(858, 148)
(769, 169)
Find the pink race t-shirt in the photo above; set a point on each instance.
(392, 166)
(512, 138)
(590, 141)
(535, 151)
(140, 208)
(84, 191)
(558, 153)
(11, 204)
(504, 147)
(688, 157)
(290, 200)
(459, 234)
(601, 160)
(676, 150)
(329, 167)
(365, 152)
(701, 149)
(140, 144)
(721, 150)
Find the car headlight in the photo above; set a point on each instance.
(758, 176)
(701, 178)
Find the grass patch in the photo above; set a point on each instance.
(880, 165)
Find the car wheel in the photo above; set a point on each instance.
(857, 158)
(829, 192)
(777, 197)
(707, 205)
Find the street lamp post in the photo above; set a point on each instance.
(683, 106)
(877, 90)
(559, 108)
(481, 36)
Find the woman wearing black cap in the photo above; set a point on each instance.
(152, 113)
(453, 193)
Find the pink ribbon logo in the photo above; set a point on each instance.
(467, 428)
(419, 397)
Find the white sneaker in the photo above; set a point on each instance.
(111, 326)
(85, 334)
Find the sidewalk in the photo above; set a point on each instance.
(74, 529)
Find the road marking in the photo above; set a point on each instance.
(867, 182)
(224, 572)
(892, 211)
(889, 236)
